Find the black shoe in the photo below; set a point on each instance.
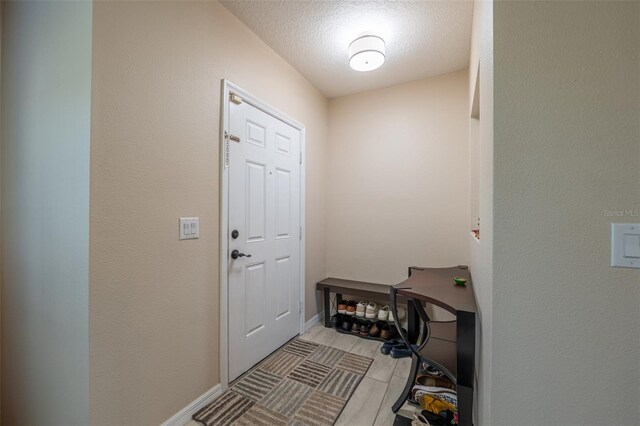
(401, 351)
(346, 323)
(365, 327)
(387, 346)
(336, 320)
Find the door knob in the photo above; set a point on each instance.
(236, 254)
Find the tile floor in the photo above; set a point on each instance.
(371, 402)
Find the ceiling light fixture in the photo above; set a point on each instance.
(366, 53)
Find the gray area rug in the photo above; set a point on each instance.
(303, 383)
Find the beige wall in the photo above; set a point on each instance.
(567, 148)
(46, 99)
(482, 165)
(154, 304)
(397, 179)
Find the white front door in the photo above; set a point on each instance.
(264, 209)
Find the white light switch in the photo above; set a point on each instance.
(625, 245)
(632, 245)
(189, 228)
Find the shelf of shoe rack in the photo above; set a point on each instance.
(379, 339)
(367, 291)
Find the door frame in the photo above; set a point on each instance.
(227, 89)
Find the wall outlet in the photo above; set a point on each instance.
(189, 228)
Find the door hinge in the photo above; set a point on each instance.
(235, 98)
(301, 306)
(300, 157)
(300, 235)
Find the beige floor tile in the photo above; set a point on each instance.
(403, 368)
(366, 347)
(308, 335)
(344, 342)
(192, 423)
(382, 368)
(324, 336)
(361, 408)
(385, 415)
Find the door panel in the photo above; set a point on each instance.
(283, 203)
(255, 296)
(283, 144)
(255, 192)
(256, 134)
(283, 282)
(264, 206)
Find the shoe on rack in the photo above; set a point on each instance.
(361, 308)
(365, 327)
(351, 307)
(355, 326)
(401, 314)
(346, 323)
(342, 307)
(383, 313)
(371, 311)
(376, 329)
(388, 332)
(336, 320)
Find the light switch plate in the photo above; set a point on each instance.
(189, 228)
(625, 245)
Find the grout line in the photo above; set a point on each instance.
(381, 381)
(383, 398)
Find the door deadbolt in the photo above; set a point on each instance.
(235, 234)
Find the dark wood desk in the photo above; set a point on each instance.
(448, 346)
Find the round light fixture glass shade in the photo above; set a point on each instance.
(366, 53)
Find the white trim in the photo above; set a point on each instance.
(183, 416)
(303, 237)
(313, 321)
(227, 88)
(224, 240)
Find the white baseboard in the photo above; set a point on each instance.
(184, 416)
(313, 321)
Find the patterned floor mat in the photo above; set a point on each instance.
(303, 383)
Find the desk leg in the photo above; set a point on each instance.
(413, 321)
(411, 380)
(415, 360)
(466, 345)
(327, 307)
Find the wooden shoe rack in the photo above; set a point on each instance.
(366, 291)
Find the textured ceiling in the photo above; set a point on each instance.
(423, 38)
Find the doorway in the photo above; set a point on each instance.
(262, 224)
